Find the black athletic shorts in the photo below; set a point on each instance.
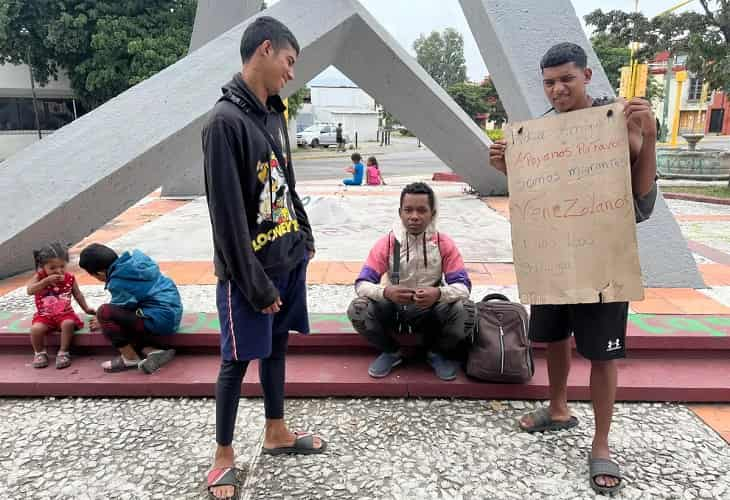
(599, 329)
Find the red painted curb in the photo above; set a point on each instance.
(447, 177)
(697, 198)
(697, 377)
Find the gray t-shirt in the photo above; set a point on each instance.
(643, 205)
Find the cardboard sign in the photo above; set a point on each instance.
(572, 208)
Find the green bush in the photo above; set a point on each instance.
(495, 134)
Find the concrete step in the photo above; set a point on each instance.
(333, 332)
(690, 376)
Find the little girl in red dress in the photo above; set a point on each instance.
(53, 289)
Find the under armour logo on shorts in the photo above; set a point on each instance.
(614, 345)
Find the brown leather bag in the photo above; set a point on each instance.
(501, 350)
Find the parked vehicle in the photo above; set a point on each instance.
(320, 134)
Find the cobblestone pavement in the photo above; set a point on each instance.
(378, 448)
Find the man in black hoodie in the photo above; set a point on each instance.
(262, 241)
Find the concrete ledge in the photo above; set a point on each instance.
(698, 198)
(447, 177)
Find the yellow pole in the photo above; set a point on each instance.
(634, 46)
(681, 76)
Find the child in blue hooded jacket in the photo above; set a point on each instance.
(145, 305)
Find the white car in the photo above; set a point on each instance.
(320, 134)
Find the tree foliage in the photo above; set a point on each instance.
(471, 97)
(442, 56)
(296, 100)
(704, 37)
(613, 55)
(496, 111)
(105, 46)
(476, 99)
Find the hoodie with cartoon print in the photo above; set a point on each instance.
(260, 228)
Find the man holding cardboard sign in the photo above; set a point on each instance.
(576, 183)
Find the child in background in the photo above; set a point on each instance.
(145, 305)
(373, 173)
(357, 170)
(53, 288)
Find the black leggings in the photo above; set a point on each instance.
(272, 372)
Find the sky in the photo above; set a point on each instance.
(406, 23)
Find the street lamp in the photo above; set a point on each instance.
(26, 34)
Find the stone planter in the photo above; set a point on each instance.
(701, 164)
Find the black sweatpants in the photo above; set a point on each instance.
(442, 325)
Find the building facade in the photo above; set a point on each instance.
(55, 106)
(693, 110)
(336, 99)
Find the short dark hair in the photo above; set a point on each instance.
(563, 53)
(419, 188)
(55, 250)
(266, 28)
(97, 257)
(356, 157)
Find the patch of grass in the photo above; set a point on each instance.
(714, 191)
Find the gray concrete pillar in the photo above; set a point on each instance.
(212, 18)
(215, 17)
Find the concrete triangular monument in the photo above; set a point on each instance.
(77, 179)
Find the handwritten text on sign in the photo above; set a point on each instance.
(571, 208)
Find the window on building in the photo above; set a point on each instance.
(9, 114)
(680, 60)
(695, 89)
(17, 114)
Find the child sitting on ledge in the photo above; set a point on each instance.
(145, 306)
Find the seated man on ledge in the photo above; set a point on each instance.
(425, 291)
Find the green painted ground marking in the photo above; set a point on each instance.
(654, 324)
(640, 320)
(199, 323)
(670, 325)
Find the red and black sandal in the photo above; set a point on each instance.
(223, 476)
